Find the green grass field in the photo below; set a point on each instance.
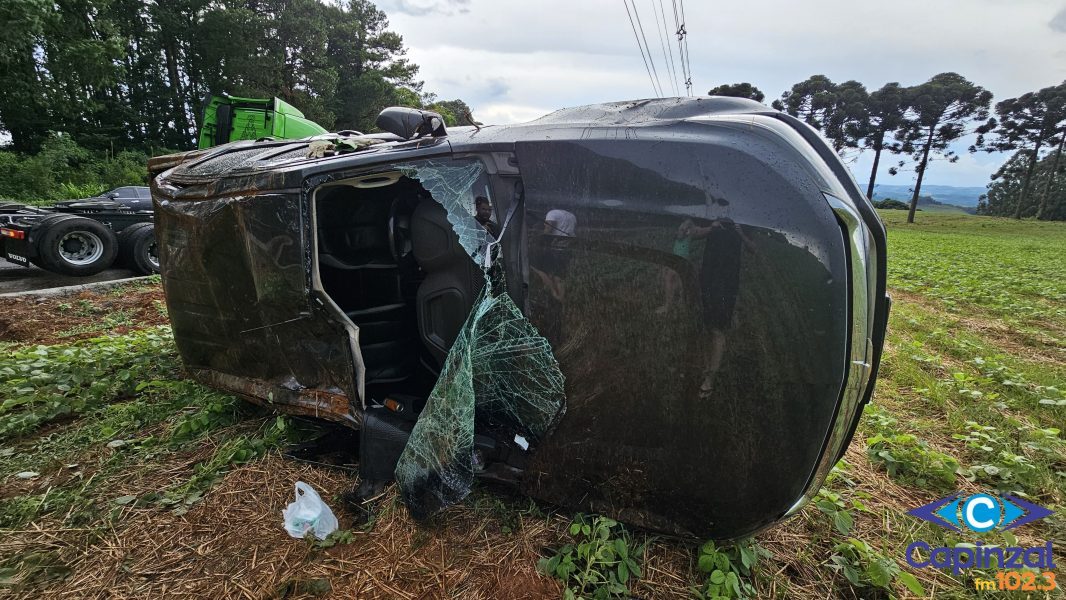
(122, 479)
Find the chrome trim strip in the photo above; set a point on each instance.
(860, 354)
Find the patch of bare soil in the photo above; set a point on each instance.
(63, 319)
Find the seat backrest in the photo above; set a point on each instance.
(452, 281)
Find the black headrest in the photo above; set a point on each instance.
(433, 241)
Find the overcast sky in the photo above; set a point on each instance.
(516, 60)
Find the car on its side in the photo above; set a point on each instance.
(669, 311)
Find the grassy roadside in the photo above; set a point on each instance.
(121, 478)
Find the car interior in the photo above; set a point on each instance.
(390, 260)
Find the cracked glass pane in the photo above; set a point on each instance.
(451, 185)
(499, 373)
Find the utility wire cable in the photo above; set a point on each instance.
(667, 59)
(651, 59)
(641, 48)
(688, 59)
(679, 28)
(663, 38)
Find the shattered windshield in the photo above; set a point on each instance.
(500, 372)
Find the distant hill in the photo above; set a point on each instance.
(965, 197)
(926, 203)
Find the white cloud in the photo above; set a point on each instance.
(420, 8)
(1058, 22)
(509, 59)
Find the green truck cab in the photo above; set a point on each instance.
(229, 118)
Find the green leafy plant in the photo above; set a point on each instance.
(1046, 441)
(728, 570)
(341, 536)
(863, 566)
(599, 564)
(44, 383)
(833, 505)
(212, 410)
(911, 460)
(1004, 468)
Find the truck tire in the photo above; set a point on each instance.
(76, 246)
(37, 260)
(137, 248)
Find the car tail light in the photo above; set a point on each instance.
(13, 233)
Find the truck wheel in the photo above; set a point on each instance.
(77, 246)
(38, 260)
(138, 250)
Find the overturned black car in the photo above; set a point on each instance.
(669, 311)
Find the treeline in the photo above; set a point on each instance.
(63, 170)
(1046, 183)
(132, 74)
(98, 84)
(919, 124)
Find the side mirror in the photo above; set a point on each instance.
(111, 195)
(411, 122)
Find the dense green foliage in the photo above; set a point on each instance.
(1027, 124)
(48, 382)
(63, 170)
(133, 73)
(890, 204)
(1048, 185)
(89, 88)
(738, 90)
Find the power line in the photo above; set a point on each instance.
(688, 59)
(641, 48)
(660, 29)
(682, 46)
(651, 59)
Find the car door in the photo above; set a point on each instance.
(236, 272)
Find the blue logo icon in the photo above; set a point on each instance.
(980, 512)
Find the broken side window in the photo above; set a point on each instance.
(499, 371)
(451, 185)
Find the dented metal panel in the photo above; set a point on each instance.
(235, 272)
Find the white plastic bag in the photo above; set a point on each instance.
(308, 513)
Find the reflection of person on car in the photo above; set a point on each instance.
(719, 286)
(483, 214)
(671, 279)
(560, 222)
(554, 264)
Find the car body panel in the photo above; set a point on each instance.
(244, 304)
(649, 416)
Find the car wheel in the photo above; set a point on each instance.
(138, 248)
(77, 246)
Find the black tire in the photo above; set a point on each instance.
(137, 248)
(75, 246)
(38, 226)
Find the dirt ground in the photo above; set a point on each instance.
(64, 319)
(233, 545)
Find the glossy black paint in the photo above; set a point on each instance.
(700, 321)
(679, 254)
